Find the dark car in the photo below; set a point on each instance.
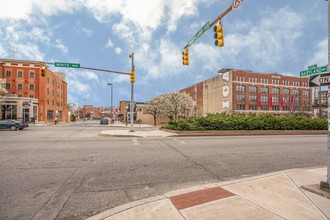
(104, 121)
(12, 124)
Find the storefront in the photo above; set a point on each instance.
(12, 107)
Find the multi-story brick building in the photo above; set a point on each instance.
(31, 96)
(239, 91)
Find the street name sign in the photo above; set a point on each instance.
(199, 33)
(313, 71)
(67, 65)
(319, 80)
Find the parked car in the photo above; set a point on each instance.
(12, 124)
(104, 121)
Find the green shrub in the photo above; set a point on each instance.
(225, 121)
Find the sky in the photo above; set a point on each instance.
(267, 36)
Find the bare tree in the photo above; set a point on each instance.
(178, 104)
(155, 107)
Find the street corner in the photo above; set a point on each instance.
(120, 133)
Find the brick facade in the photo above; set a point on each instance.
(239, 91)
(23, 79)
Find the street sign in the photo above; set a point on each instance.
(319, 80)
(199, 33)
(236, 3)
(312, 66)
(67, 65)
(317, 70)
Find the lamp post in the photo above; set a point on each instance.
(110, 84)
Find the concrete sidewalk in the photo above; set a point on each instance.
(140, 130)
(276, 195)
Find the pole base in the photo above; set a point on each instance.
(325, 186)
(131, 130)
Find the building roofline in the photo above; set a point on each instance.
(4, 60)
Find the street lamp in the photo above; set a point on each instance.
(110, 84)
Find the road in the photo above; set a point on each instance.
(70, 172)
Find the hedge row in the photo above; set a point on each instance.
(226, 121)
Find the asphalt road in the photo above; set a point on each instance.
(70, 172)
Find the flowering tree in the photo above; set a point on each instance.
(155, 107)
(177, 104)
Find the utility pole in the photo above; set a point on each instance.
(132, 93)
(325, 185)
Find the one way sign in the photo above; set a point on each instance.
(319, 80)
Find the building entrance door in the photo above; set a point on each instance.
(26, 113)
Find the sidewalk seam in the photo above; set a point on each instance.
(302, 192)
(260, 206)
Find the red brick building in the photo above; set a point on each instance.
(24, 81)
(240, 91)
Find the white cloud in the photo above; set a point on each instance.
(118, 50)
(28, 51)
(59, 45)
(320, 54)
(109, 44)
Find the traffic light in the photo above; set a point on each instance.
(132, 76)
(218, 35)
(43, 71)
(185, 57)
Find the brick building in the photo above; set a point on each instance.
(44, 98)
(239, 91)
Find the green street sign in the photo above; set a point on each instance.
(199, 33)
(312, 66)
(318, 70)
(67, 65)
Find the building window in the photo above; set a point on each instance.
(31, 86)
(31, 74)
(276, 108)
(286, 108)
(306, 100)
(8, 73)
(31, 96)
(286, 91)
(264, 107)
(47, 79)
(306, 108)
(252, 89)
(47, 101)
(19, 74)
(306, 92)
(252, 107)
(19, 86)
(7, 86)
(9, 111)
(286, 100)
(240, 107)
(50, 114)
(240, 88)
(53, 102)
(252, 98)
(264, 98)
(276, 99)
(240, 97)
(296, 100)
(264, 89)
(296, 92)
(275, 90)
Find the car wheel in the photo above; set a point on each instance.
(12, 128)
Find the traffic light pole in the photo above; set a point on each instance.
(132, 93)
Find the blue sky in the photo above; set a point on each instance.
(282, 36)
